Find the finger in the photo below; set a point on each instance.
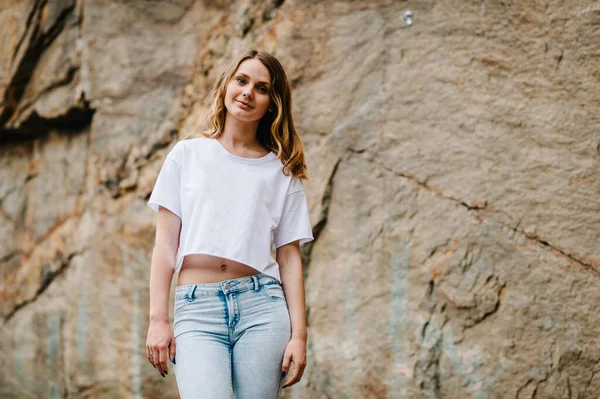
(288, 382)
(296, 380)
(295, 377)
(156, 360)
(285, 366)
(172, 350)
(148, 353)
(302, 367)
(163, 359)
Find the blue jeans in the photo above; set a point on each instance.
(230, 338)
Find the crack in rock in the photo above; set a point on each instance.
(48, 277)
(39, 40)
(319, 226)
(477, 206)
(588, 264)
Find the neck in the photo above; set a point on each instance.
(239, 133)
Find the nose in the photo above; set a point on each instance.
(247, 92)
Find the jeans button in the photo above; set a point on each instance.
(227, 286)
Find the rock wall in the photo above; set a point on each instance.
(455, 197)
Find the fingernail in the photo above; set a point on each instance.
(166, 372)
(162, 375)
(174, 361)
(283, 373)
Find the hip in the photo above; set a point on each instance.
(231, 304)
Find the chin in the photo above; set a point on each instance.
(239, 115)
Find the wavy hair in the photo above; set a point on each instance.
(276, 129)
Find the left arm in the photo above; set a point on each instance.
(290, 263)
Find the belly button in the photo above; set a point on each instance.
(223, 266)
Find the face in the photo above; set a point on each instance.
(247, 95)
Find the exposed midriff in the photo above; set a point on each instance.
(203, 268)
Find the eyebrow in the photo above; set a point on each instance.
(248, 77)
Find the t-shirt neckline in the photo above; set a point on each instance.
(237, 158)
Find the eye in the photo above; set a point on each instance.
(263, 89)
(240, 80)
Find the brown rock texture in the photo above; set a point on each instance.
(455, 192)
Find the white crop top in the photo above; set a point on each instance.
(231, 207)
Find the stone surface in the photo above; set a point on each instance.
(455, 192)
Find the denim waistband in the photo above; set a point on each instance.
(253, 282)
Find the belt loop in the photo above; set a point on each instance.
(190, 292)
(255, 281)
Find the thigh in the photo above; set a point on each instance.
(257, 355)
(202, 354)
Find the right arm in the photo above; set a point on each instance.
(160, 342)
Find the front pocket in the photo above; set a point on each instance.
(185, 300)
(180, 303)
(273, 292)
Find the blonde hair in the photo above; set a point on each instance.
(276, 129)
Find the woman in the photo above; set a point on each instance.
(223, 200)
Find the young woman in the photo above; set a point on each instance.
(224, 199)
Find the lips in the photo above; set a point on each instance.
(246, 104)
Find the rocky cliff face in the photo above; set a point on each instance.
(455, 197)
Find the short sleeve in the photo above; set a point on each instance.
(166, 192)
(294, 223)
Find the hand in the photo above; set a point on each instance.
(160, 345)
(295, 352)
